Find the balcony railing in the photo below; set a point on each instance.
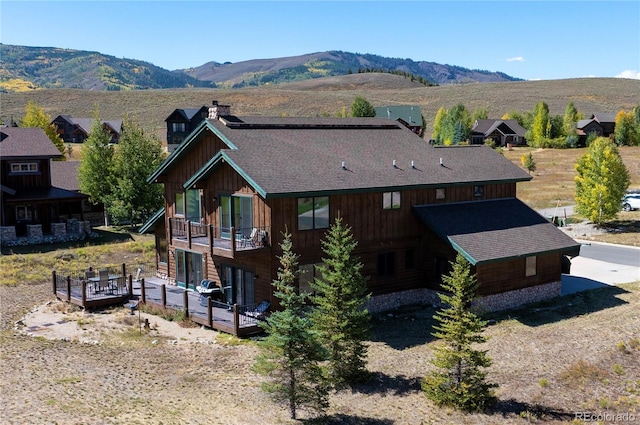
(225, 238)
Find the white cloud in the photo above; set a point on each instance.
(629, 74)
(515, 59)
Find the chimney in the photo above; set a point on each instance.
(216, 111)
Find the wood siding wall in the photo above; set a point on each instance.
(19, 181)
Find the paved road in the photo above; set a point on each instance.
(601, 264)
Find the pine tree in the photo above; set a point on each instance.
(601, 181)
(528, 162)
(95, 171)
(291, 353)
(340, 313)
(459, 380)
(36, 117)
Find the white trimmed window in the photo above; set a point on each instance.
(24, 167)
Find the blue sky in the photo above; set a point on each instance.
(525, 39)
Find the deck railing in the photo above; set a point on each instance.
(227, 238)
(230, 318)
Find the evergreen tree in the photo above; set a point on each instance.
(601, 181)
(459, 380)
(95, 174)
(36, 117)
(290, 354)
(137, 155)
(528, 162)
(362, 108)
(456, 126)
(340, 313)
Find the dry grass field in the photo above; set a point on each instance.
(578, 354)
(328, 96)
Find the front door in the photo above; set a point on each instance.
(188, 269)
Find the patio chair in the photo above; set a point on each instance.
(260, 311)
(103, 283)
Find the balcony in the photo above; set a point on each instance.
(222, 241)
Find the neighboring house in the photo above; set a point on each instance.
(599, 124)
(408, 115)
(182, 122)
(236, 184)
(29, 199)
(76, 130)
(64, 175)
(502, 132)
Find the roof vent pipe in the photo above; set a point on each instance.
(413, 165)
(344, 167)
(394, 164)
(441, 162)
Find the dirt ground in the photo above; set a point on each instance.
(60, 365)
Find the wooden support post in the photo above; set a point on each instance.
(124, 269)
(236, 319)
(209, 313)
(233, 242)
(68, 288)
(84, 294)
(143, 293)
(210, 229)
(185, 296)
(54, 282)
(163, 295)
(130, 285)
(188, 224)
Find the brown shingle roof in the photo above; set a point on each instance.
(285, 156)
(486, 231)
(64, 174)
(24, 143)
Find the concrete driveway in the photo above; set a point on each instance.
(590, 273)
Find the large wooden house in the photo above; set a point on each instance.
(76, 130)
(181, 122)
(236, 184)
(30, 204)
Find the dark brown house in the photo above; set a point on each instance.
(502, 132)
(602, 125)
(182, 122)
(237, 183)
(76, 130)
(28, 197)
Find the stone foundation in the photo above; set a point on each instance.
(35, 235)
(34, 232)
(484, 304)
(387, 302)
(8, 234)
(518, 297)
(58, 229)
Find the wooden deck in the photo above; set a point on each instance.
(156, 291)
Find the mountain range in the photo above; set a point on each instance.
(25, 68)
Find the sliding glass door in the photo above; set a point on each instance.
(188, 269)
(236, 212)
(238, 286)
